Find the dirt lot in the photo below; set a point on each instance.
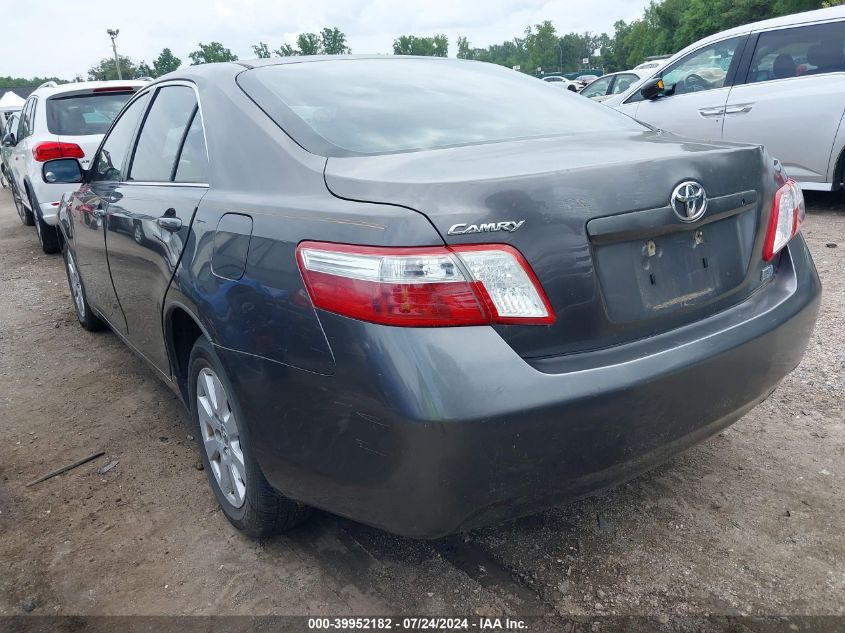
(751, 522)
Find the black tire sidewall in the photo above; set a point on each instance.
(91, 322)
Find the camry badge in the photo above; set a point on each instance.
(689, 201)
(489, 227)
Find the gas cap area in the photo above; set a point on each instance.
(231, 245)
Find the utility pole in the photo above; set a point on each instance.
(113, 34)
(560, 66)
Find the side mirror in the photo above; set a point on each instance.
(9, 140)
(62, 170)
(652, 89)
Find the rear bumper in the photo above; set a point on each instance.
(429, 432)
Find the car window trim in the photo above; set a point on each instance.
(744, 69)
(197, 109)
(138, 95)
(196, 112)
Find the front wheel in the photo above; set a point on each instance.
(244, 495)
(87, 318)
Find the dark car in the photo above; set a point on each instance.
(432, 294)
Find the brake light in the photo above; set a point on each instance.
(787, 216)
(115, 89)
(49, 150)
(424, 287)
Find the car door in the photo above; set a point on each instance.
(149, 221)
(792, 98)
(88, 212)
(697, 88)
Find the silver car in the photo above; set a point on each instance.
(780, 83)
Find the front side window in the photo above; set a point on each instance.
(162, 133)
(80, 115)
(109, 163)
(597, 88)
(705, 69)
(25, 124)
(802, 51)
(623, 82)
(353, 107)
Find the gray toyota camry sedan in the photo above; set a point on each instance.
(431, 294)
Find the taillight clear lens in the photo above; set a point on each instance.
(787, 216)
(423, 287)
(48, 150)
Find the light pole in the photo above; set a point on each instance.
(113, 34)
(560, 64)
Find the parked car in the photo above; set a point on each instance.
(66, 120)
(6, 150)
(431, 303)
(562, 82)
(779, 82)
(585, 80)
(608, 85)
(653, 63)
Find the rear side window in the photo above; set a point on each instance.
(193, 159)
(162, 134)
(81, 115)
(800, 51)
(110, 159)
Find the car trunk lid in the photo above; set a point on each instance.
(592, 216)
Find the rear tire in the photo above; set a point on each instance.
(48, 236)
(87, 318)
(244, 495)
(23, 213)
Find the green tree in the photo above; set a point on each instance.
(333, 42)
(166, 62)
(465, 51)
(212, 53)
(261, 50)
(106, 70)
(541, 47)
(286, 50)
(16, 82)
(309, 44)
(144, 70)
(437, 46)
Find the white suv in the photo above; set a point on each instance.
(778, 83)
(58, 121)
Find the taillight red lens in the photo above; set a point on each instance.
(423, 287)
(785, 221)
(48, 150)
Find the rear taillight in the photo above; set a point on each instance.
(424, 287)
(786, 219)
(48, 150)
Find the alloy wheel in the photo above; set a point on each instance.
(76, 286)
(220, 436)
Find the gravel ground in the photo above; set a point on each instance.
(750, 522)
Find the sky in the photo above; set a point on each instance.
(79, 38)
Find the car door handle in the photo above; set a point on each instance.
(711, 112)
(169, 222)
(740, 108)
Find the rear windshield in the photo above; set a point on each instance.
(79, 115)
(378, 106)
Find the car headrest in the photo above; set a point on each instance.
(784, 66)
